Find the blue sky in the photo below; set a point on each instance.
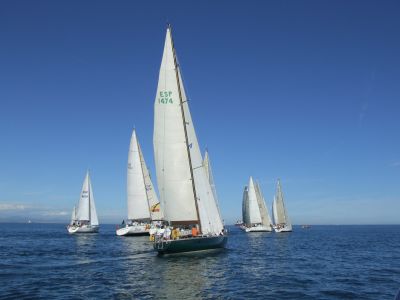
(305, 91)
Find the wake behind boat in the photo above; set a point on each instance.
(187, 196)
(281, 219)
(143, 204)
(84, 219)
(255, 213)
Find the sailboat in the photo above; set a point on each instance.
(281, 219)
(84, 219)
(143, 204)
(255, 212)
(187, 198)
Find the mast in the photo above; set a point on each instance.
(184, 127)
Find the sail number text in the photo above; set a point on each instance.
(165, 97)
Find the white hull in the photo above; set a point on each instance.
(83, 229)
(259, 228)
(283, 229)
(133, 230)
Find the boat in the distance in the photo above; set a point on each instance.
(254, 210)
(281, 218)
(187, 197)
(84, 218)
(143, 205)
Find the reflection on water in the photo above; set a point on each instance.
(45, 262)
(189, 275)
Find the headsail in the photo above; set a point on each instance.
(279, 209)
(93, 214)
(185, 192)
(266, 220)
(152, 199)
(209, 173)
(138, 207)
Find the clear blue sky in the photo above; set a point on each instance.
(305, 91)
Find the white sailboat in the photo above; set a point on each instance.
(143, 205)
(281, 219)
(254, 210)
(84, 219)
(187, 198)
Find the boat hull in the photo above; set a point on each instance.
(83, 229)
(283, 229)
(132, 231)
(190, 244)
(258, 229)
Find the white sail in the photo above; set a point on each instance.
(209, 173)
(181, 175)
(254, 210)
(245, 207)
(83, 206)
(94, 221)
(152, 199)
(266, 220)
(274, 211)
(138, 207)
(279, 209)
(73, 216)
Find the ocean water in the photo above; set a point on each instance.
(41, 261)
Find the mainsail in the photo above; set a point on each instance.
(86, 208)
(254, 210)
(83, 206)
(245, 206)
(185, 191)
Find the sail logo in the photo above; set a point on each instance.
(165, 97)
(155, 207)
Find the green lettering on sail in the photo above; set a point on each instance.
(165, 97)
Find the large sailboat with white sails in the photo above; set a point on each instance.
(142, 201)
(254, 210)
(281, 219)
(187, 198)
(84, 218)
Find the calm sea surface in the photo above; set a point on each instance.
(324, 262)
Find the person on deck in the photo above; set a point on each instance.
(194, 231)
